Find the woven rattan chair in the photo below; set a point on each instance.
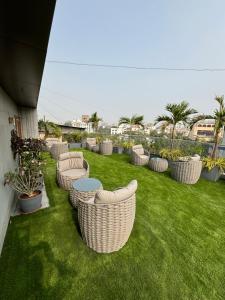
(71, 166)
(106, 148)
(51, 141)
(90, 143)
(58, 149)
(106, 221)
(138, 156)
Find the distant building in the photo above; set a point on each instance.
(204, 130)
(85, 118)
(80, 124)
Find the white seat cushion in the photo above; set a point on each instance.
(74, 173)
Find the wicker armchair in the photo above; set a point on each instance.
(71, 166)
(51, 141)
(90, 143)
(106, 148)
(138, 156)
(58, 149)
(106, 221)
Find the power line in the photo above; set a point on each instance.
(65, 62)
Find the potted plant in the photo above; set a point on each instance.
(213, 168)
(184, 169)
(127, 146)
(27, 179)
(75, 140)
(26, 183)
(118, 146)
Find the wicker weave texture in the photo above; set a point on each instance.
(158, 164)
(57, 149)
(76, 195)
(106, 148)
(66, 181)
(90, 143)
(186, 172)
(106, 227)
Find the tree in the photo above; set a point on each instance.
(134, 120)
(179, 113)
(95, 121)
(49, 128)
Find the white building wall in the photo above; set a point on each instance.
(7, 163)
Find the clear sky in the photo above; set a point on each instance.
(169, 33)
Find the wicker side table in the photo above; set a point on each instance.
(84, 189)
(158, 164)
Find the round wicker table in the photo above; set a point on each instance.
(84, 189)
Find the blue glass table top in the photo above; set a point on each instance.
(86, 184)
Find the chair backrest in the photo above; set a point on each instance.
(51, 141)
(91, 141)
(70, 160)
(138, 149)
(108, 197)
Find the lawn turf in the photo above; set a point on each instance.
(176, 249)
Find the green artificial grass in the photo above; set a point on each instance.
(176, 249)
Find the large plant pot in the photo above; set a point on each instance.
(74, 145)
(95, 148)
(158, 164)
(186, 171)
(127, 151)
(118, 149)
(28, 205)
(212, 175)
(106, 148)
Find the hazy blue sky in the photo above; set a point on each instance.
(170, 33)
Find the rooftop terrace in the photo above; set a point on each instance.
(175, 251)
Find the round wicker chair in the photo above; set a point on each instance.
(106, 148)
(71, 166)
(186, 171)
(158, 164)
(106, 223)
(57, 149)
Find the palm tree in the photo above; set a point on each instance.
(95, 121)
(49, 127)
(134, 120)
(219, 117)
(179, 113)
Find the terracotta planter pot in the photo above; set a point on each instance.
(28, 205)
(212, 175)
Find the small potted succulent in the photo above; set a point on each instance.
(213, 168)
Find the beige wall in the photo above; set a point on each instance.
(29, 129)
(29, 122)
(7, 109)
